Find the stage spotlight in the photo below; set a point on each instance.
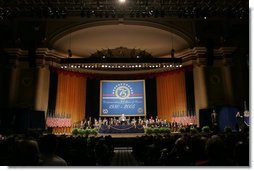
(151, 12)
(172, 53)
(69, 53)
(113, 14)
(106, 14)
(121, 1)
(137, 14)
(162, 13)
(132, 13)
(88, 14)
(143, 14)
(156, 13)
(82, 13)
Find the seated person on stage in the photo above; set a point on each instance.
(133, 122)
(139, 120)
(122, 119)
(114, 121)
(96, 123)
(82, 124)
(105, 121)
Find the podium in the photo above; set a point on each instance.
(122, 120)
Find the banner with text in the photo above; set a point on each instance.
(122, 97)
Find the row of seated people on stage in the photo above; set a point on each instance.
(113, 121)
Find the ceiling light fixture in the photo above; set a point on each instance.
(69, 50)
(121, 1)
(172, 50)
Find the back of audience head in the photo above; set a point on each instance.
(215, 149)
(26, 153)
(48, 144)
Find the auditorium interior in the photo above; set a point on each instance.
(124, 83)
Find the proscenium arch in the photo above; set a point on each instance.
(60, 33)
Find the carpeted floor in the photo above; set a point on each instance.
(124, 157)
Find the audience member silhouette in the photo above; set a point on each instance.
(179, 155)
(216, 152)
(102, 153)
(241, 153)
(48, 145)
(26, 153)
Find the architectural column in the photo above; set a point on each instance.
(199, 89)
(14, 84)
(227, 82)
(42, 90)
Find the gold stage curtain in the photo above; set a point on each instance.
(171, 94)
(71, 96)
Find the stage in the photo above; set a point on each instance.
(123, 135)
(121, 129)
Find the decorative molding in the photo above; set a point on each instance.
(46, 57)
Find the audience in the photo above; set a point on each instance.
(201, 149)
(175, 149)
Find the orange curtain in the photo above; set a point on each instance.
(71, 96)
(171, 95)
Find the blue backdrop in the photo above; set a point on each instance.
(227, 118)
(122, 97)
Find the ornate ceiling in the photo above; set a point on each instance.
(86, 41)
(154, 26)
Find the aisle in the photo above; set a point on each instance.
(124, 157)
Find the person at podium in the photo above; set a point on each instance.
(122, 119)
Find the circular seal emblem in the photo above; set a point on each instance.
(122, 92)
(105, 111)
(140, 110)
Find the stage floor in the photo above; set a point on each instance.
(125, 135)
(115, 135)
